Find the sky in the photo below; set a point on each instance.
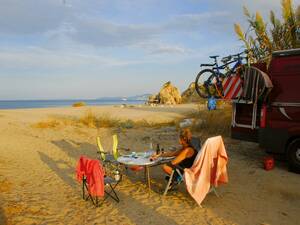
(85, 49)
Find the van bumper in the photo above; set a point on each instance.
(273, 140)
(244, 134)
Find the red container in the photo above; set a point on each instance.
(136, 168)
(263, 114)
(268, 163)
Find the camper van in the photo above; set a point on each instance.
(274, 120)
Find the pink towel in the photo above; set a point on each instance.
(94, 173)
(209, 168)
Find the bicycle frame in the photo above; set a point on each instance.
(217, 69)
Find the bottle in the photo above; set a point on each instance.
(157, 149)
(151, 145)
(162, 150)
(117, 175)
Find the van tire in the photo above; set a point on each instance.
(293, 155)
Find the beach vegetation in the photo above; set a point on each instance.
(91, 120)
(50, 123)
(215, 122)
(105, 121)
(261, 41)
(79, 104)
(88, 119)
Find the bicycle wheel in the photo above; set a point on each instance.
(204, 83)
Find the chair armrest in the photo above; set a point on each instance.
(178, 167)
(121, 148)
(178, 170)
(101, 152)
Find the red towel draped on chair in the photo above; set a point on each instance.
(94, 173)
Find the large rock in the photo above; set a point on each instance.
(168, 95)
(190, 94)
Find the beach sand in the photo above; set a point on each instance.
(38, 186)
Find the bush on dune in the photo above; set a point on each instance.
(79, 104)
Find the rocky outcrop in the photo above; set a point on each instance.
(190, 94)
(168, 95)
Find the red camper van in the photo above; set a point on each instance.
(274, 121)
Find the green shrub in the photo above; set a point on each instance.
(79, 104)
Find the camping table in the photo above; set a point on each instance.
(143, 159)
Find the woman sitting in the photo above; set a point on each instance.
(184, 157)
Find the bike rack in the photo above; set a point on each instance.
(254, 115)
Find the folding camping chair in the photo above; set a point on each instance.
(174, 181)
(91, 170)
(107, 157)
(108, 182)
(177, 177)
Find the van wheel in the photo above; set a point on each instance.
(293, 155)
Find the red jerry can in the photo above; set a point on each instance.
(263, 115)
(268, 163)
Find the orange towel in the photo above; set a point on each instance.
(209, 168)
(94, 173)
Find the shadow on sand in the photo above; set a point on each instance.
(3, 219)
(63, 169)
(66, 172)
(137, 211)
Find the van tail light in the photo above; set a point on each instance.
(263, 114)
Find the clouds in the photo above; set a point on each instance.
(108, 34)
(196, 21)
(118, 39)
(57, 20)
(49, 60)
(168, 50)
(30, 16)
(102, 33)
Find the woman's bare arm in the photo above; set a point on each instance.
(187, 152)
(171, 153)
(166, 154)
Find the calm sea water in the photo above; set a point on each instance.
(23, 104)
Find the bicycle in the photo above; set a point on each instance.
(212, 78)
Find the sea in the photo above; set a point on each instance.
(26, 104)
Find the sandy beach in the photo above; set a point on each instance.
(38, 186)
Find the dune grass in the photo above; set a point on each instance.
(50, 123)
(216, 122)
(90, 120)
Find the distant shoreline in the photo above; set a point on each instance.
(32, 104)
